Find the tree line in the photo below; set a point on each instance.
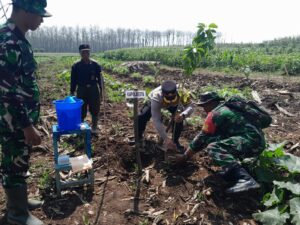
(67, 39)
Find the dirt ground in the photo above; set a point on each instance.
(189, 194)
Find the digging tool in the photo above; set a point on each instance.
(163, 148)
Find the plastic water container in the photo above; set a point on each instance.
(68, 113)
(80, 163)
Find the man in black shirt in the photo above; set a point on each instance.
(86, 77)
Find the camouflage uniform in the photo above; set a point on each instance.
(19, 102)
(228, 136)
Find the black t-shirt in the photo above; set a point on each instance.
(83, 74)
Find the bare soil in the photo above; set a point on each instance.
(187, 194)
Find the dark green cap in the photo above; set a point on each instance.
(33, 6)
(208, 97)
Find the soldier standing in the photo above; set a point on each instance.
(19, 107)
(87, 78)
(227, 136)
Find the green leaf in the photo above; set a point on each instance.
(212, 25)
(274, 147)
(295, 210)
(274, 198)
(271, 217)
(292, 187)
(265, 175)
(289, 162)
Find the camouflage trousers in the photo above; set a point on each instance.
(231, 150)
(14, 159)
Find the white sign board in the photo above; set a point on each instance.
(135, 94)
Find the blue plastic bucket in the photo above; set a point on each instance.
(68, 113)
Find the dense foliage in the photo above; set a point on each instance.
(270, 57)
(281, 170)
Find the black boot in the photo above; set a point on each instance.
(17, 207)
(243, 181)
(94, 124)
(179, 147)
(226, 173)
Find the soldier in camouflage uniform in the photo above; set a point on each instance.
(227, 137)
(19, 107)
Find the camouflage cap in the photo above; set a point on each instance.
(33, 6)
(208, 97)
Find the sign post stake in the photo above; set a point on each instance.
(136, 136)
(135, 95)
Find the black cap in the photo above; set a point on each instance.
(84, 47)
(168, 86)
(208, 97)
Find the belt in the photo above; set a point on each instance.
(87, 85)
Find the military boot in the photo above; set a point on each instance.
(226, 173)
(17, 207)
(94, 124)
(242, 179)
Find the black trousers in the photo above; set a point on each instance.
(91, 98)
(145, 115)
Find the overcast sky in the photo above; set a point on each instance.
(237, 20)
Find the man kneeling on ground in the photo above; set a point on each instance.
(227, 136)
(178, 103)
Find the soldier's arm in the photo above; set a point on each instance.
(207, 134)
(73, 80)
(199, 142)
(11, 94)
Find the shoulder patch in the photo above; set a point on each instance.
(209, 127)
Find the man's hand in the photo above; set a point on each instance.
(32, 136)
(179, 118)
(169, 144)
(177, 159)
(181, 158)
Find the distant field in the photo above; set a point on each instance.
(55, 54)
(224, 59)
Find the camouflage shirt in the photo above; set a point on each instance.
(222, 123)
(19, 93)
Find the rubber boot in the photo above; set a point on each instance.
(226, 173)
(243, 181)
(17, 207)
(94, 124)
